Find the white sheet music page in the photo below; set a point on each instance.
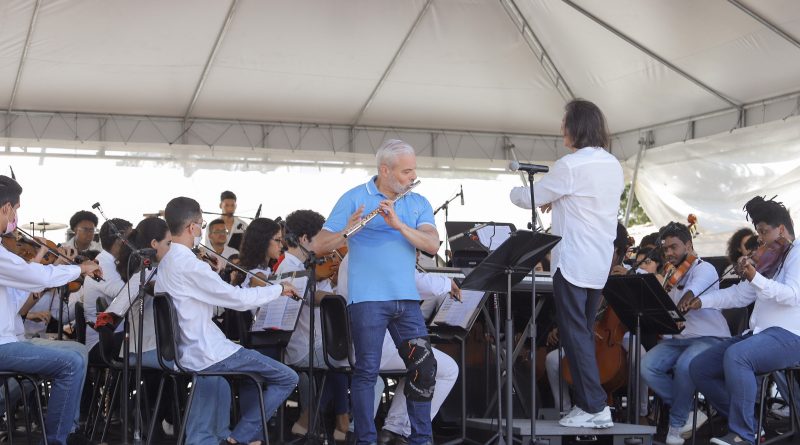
(492, 236)
(280, 314)
(454, 313)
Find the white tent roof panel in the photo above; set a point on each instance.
(468, 65)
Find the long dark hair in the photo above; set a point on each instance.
(147, 230)
(255, 242)
(586, 125)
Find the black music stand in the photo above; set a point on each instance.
(465, 245)
(498, 273)
(642, 304)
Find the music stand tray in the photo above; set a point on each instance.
(642, 304)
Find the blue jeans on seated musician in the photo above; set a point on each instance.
(211, 405)
(666, 369)
(726, 373)
(368, 321)
(67, 369)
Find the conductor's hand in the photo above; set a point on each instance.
(546, 208)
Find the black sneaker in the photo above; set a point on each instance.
(387, 437)
(77, 438)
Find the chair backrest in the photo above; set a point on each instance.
(165, 318)
(101, 304)
(336, 335)
(80, 323)
(738, 319)
(109, 352)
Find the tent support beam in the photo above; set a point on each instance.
(389, 67)
(544, 59)
(761, 19)
(652, 54)
(24, 55)
(210, 60)
(645, 142)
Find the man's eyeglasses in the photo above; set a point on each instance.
(219, 232)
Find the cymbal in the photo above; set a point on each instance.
(44, 226)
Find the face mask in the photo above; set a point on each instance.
(640, 271)
(11, 226)
(197, 240)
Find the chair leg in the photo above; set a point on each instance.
(694, 418)
(25, 411)
(763, 398)
(154, 416)
(791, 379)
(116, 379)
(185, 416)
(40, 411)
(9, 414)
(101, 398)
(260, 391)
(90, 416)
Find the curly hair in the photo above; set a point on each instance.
(255, 242)
(736, 241)
(770, 212)
(302, 222)
(82, 215)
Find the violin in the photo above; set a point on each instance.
(27, 249)
(768, 258)
(674, 274)
(330, 266)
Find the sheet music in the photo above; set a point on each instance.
(453, 313)
(282, 313)
(492, 236)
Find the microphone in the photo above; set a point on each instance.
(468, 232)
(530, 168)
(95, 205)
(462, 194)
(258, 212)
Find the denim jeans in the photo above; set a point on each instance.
(67, 369)
(666, 369)
(280, 382)
(368, 322)
(210, 416)
(726, 373)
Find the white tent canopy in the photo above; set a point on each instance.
(230, 81)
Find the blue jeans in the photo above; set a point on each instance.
(369, 321)
(666, 369)
(280, 379)
(209, 418)
(67, 369)
(726, 373)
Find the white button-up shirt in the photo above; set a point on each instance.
(196, 289)
(28, 277)
(777, 301)
(111, 287)
(584, 188)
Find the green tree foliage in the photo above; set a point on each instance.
(637, 216)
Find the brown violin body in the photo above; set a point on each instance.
(674, 274)
(612, 361)
(27, 249)
(769, 257)
(331, 265)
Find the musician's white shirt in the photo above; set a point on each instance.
(196, 289)
(17, 274)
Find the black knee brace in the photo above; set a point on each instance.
(421, 365)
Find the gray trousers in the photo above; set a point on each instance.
(576, 310)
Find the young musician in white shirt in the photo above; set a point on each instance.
(195, 289)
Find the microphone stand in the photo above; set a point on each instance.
(144, 260)
(446, 208)
(532, 334)
(310, 295)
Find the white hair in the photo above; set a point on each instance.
(390, 150)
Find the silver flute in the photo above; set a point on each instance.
(369, 217)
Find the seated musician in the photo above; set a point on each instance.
(741, 243)
(107, 290)
(217, 236)
(727, 372)
(300, 229)
(83, 224)
(65, 366)
(195, 289)
(397, 425)
(666, 367)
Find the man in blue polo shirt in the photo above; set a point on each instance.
(382, 289)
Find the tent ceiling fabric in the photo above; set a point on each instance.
(466, 66)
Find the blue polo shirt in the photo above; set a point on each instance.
(382, 260)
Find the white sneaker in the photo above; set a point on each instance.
(582, 419)
(167, 427)
(686, 430)
(575, 411)
(674, 436)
